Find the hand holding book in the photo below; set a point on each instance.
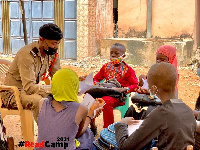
(99, 109)
(129, 120)
(132, 124)
(95, 106)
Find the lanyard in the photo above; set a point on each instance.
(45, 75)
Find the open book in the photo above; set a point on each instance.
(145, 85)
(86, 84)
(133, 127)
(88, 101)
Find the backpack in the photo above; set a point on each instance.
(107, 139)
(106, 90)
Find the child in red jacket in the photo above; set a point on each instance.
(123, 73)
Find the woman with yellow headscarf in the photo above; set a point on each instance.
(62, 118)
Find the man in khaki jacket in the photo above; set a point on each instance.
(33, 63)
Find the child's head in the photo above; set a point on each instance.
(65, 85)
(162, 76)
(166, 53)
(117, 50)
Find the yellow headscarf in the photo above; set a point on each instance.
(65, 85)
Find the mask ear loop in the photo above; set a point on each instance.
(123, 55)
(47, 45)
(152, 95)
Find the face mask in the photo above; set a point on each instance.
(117, 61)
(198, 72)
(50, 51)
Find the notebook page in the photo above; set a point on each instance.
(133, 127)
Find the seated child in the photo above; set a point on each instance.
(62, 118)
(165, 53)
(173, 122)
(197, 116)
(124, 74)
(197, 106)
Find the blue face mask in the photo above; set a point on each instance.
(198, 71)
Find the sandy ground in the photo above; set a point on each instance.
(188, 86)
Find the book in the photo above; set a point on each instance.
(88, 100)
(89, 79)
(145, 85)
(133, 127)
(86, 84)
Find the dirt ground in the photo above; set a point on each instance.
(188, 88)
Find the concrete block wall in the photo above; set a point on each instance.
(94, 22)
(82, 28)
(174, 18)
(91, 28)
(141, 51)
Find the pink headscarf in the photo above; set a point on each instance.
(170, 52)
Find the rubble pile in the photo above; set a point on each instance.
(87, 64)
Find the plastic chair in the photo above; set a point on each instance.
(125, 107)
(26, 117)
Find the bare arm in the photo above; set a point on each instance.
(84, 124)
(81, 118)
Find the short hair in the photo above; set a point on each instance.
(163, 75)
(51, 31)
(119, 46)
